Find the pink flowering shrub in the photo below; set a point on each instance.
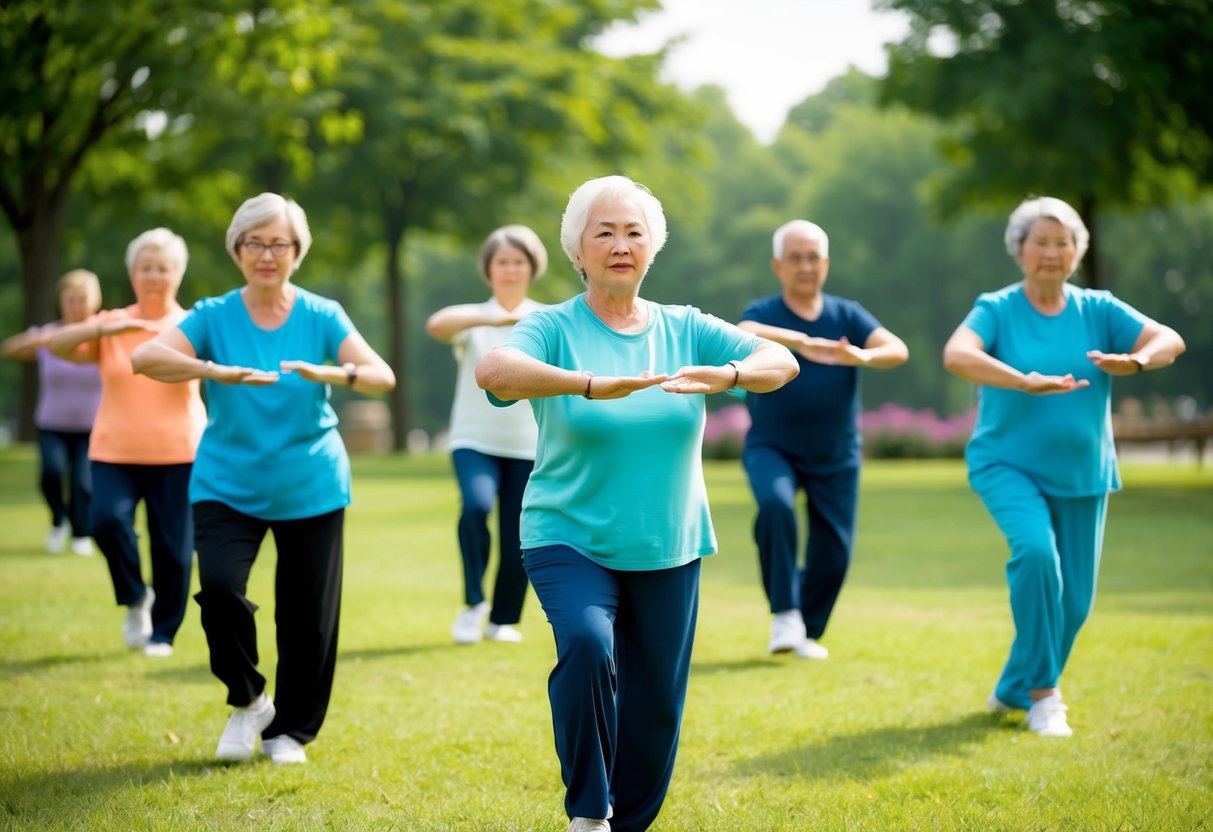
(889, 432)
(895, 432)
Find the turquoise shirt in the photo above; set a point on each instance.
(621, 480)
(1063, 441)
(271, 452)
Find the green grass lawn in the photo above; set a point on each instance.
(889, 734)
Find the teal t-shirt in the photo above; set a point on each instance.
(271, 452)
(1063, 441)
(621, 480)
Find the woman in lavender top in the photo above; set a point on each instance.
(68, 394)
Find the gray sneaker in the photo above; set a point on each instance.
(243, 729)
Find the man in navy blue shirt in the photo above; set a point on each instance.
(805, 436)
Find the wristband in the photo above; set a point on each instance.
(1140, 362)
(351, 374)
(589, 379)
(736, 372)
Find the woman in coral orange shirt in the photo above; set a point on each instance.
(142, 445)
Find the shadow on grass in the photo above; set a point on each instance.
(12, 669)
(878, 753)
(737, 666)
(28, 797)
(370, 653)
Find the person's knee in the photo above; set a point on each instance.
(222, 604)
(1034, 553)
(587, 641)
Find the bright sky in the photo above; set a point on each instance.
(768, 55)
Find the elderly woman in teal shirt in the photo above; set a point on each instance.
(612, 548)
(1041, 456)
(271, 462)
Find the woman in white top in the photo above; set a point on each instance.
(493, 450)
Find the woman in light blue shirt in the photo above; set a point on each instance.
(1041, 456)
(615, 515)
(270, 460)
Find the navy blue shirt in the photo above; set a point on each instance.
(815, 417)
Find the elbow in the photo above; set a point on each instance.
(951, 361)
(141, 359)
(486, 374)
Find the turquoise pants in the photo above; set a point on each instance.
(1055, 544)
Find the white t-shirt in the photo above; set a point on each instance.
(475, 424)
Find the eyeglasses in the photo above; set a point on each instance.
(257, 248)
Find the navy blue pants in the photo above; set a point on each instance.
(623, 656)
(832, 499)
(307, 610)
(164, 490)
(483, 481)
(64, 462)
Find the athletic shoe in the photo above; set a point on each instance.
(137, 628)
(502, 632)
(56, 537)
(469, 624)
(787, 631)
(158, 649)
(82, 546)
(588, 825)
(1047, 717)
(284, 750)
(243, 729)
(996, 706)
(810, 649)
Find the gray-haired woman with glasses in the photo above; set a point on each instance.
(271, 460)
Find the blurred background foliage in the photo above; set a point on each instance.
(410, 128)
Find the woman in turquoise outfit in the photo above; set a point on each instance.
(1041, 456)
(615, 515)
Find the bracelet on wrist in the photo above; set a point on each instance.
(736, 372)
(589, 379)
(351, 374)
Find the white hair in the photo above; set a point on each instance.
(1048, 207)
(516, 236)
(261, 209)
(172, 246)
(584, 199)
(810, 229)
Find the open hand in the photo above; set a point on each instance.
(1040, 385)
(829, 351)
(617, 387)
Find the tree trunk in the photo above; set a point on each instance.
(40, 244)
(1086, 208)
(398, 338)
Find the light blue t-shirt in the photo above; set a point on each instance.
(621, 480)
(271, 452)
(1063, 441)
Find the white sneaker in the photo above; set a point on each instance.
(1047, 717)
(284, 750)
(502, 632)
(996, 706)
(243, 729)
(137, 628)
(810, 649)
(158, 649)
(56, 537)
(82, 546)
(469, 624)
(787, 631)
(588, 825)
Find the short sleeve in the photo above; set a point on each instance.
(983, 320)
(533, 336)
(193, 327)
(861, 324)
(338, 327)
(1123, 323)
(721, 341)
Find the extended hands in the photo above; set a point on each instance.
(829, 351)
(226, 374)
(1114, 363)
(617, 387)
(701, 379)
(1040, 385)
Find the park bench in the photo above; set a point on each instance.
(1127, 429)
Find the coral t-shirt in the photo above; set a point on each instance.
(142, 421)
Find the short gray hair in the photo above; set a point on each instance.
(582, 202)
(1048, 207)
(257, 211)
(810, 229)
(171, 244)
(516, 236)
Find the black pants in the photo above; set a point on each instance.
(307, 594)
(64, 458)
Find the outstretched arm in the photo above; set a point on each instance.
(510, 375)
(1156, 347)
(361, 368)
(964, 355)
(170, 357)
(448, 322)
(768, 367)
